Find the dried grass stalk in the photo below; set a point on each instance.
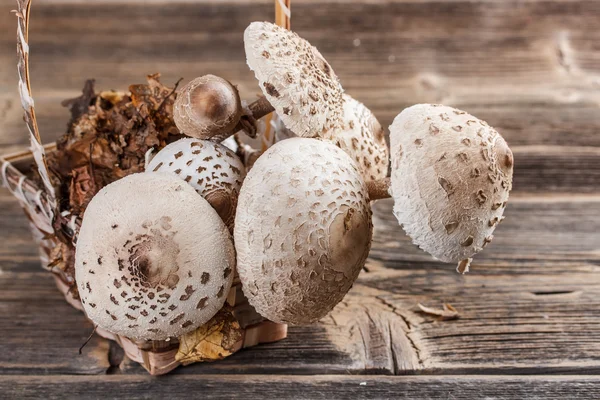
(39, 154)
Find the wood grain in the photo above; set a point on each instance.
(531, 304)
(293, 387)
(529, 68)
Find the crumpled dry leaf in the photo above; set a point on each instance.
(463, 266)
(107, 137)
(218, 338)
(83, 186)
(447, 313)
(62, 257)
(79, 105)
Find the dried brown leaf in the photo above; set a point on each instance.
(108, 135)
(80, 105)
(215, 340)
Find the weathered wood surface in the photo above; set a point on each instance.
(311, 387)
(532, 301)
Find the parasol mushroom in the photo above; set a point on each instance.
(207, 107)
(451, 177)
(295, 78)
(211, 168)
(363, 138)
(302, 230)
(153, 259)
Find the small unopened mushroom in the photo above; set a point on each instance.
(302, 230)
(211, 168)
(363, 138)
(207, 107)
(451, 177)
(153, 259)
(295, 78)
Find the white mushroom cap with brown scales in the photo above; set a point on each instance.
(207, 107)
(363, 138)
(153, 259)
(295, 78)
(211, 168)
(451, 177)
(302, 230)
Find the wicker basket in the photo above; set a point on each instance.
(158, 357)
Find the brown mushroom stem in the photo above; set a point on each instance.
(259, 109)
(247, 153)
(379, 189)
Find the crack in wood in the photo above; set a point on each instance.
(552, 292)
(395, 365)
(563, 53)
(408, 330)
(372, 333)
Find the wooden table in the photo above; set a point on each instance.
(530, 309)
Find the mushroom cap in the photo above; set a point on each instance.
(153, 259)
(363, 138)
(208, 107)
(451, 176)
(295, 78)
(211, 168)
(303, 230)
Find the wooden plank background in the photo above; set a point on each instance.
(531, 304)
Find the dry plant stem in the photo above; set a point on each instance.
(247, 153)
(26, 190)
(39, 155)
(13, 176)
(259, 109)
(282, 18)
(169, 95)
(283, 13)
(379, 189)
(268, 136)
(88, 339)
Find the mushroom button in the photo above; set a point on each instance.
(207, 107)
(362, 137)
(211, 168)
(451, 177)
(302, 230)
(153, 259)
(295, 79)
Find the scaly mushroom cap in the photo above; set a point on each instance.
(303, 230)
(211, 168)
(295, 78)
(153, 259)
(208, 107)
(362, 137)
(451, 175)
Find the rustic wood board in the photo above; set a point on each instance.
(312, 387)
(531, 304)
